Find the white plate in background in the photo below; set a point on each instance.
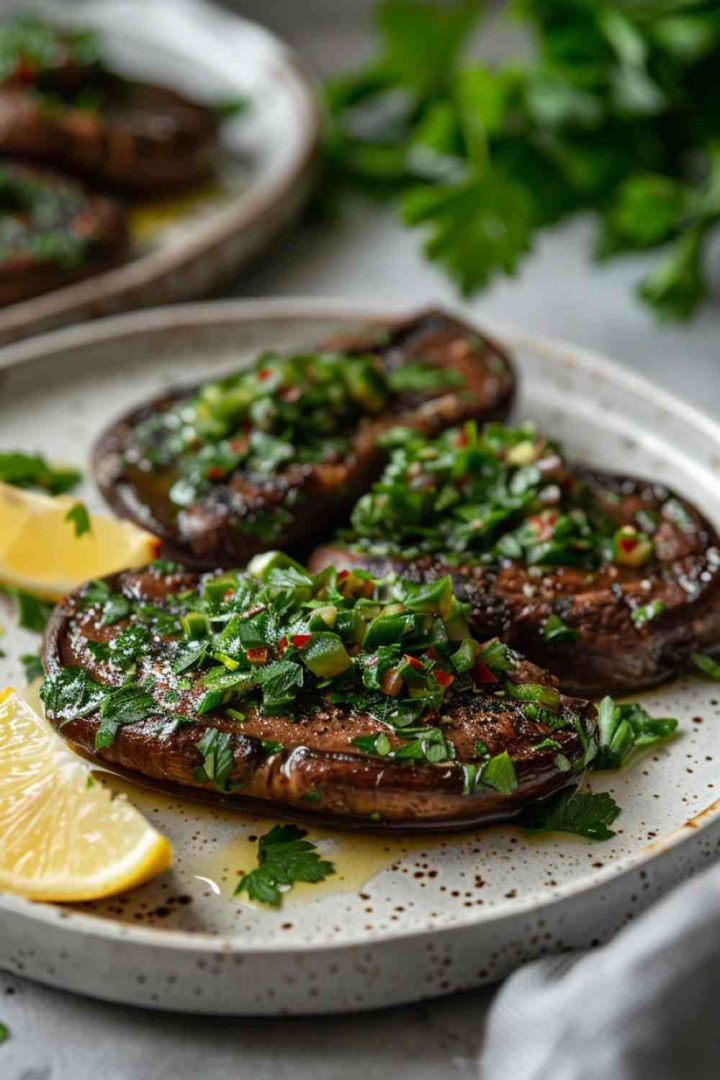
(188, 244)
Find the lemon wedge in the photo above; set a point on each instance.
(41, 553)
(62, 835)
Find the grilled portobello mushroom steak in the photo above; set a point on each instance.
(276, 454)
(609, 581)
(335, 694)
(60, 105)
(52, 232)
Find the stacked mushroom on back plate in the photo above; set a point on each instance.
(76, 138)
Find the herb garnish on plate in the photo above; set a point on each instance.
(285, 857)
(37, 473)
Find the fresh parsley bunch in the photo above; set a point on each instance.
(617, 113)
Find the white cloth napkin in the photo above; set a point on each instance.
(644, 1007)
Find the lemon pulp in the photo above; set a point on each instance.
(62, 835)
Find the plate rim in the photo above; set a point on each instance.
(307, 309)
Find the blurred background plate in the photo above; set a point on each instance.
(188, 245)
(405, 917)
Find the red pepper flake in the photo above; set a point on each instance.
(301, 640)
(343, 574)
(432, 653)
(628, 543)
(413, 662)
(228, 594)
(391, 682)
(215, 472)
(481, 673)
(282, 645)
(444, 678)
(257, 656)
(264, 373)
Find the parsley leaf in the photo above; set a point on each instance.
(647, 612)
(581, 813)
(4, 1032)
(117, 607)
(284, 858)
(127, 704)
(33, 613)
(614, 113)
(78, 516)
(499, 773)
(33, 666)
(35, 472)
(422, 40)
(476, 228)
(556, 629)
(622, 728)
(218, 760)
(70, 694)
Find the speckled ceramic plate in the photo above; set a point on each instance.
(405, 917)
(186, 245)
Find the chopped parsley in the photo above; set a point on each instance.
(38, 219)
(557, 630)
(278, 641)
(127, 704)
(79, 518)
(285, 857)
(497, 773)
(490, 496)
(218, 761)
(4, 1032)
(283, 409)
(647, 612)
(32, 666)
(31, 48)
(707, 665)
(33, 613)
(623, 728)
(35, 472)
(114, 606)
(70, 693)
